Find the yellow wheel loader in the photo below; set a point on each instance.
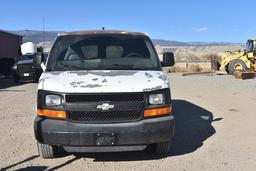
(240, 60)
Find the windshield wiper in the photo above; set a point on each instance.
(143, 68)
(100, 67)
(78, 67)
(118, 66)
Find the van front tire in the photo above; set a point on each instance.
(163, 148)
(47, 151)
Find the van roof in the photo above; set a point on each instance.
(95, 32)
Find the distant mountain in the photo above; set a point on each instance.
(49, 36)
(163, 42)
(213, 43)
(37, 36)
(184, 51)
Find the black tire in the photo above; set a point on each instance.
(36, 79)
(232, 66)
(47, 151)
(163, 148)
(226, 69)
(16, 79)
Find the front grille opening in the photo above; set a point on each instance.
(108, 116)
(25, 68)
(104, 97)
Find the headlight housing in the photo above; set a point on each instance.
(156, 99)
(14, 67)
(53, 100)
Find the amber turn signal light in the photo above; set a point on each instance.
(157, 111)
(51, 113)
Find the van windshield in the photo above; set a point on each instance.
(113, 52)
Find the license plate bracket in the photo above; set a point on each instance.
(105, 139)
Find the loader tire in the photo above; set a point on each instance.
(47, 151)
(236, 65)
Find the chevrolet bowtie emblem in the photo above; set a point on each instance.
(105, 106)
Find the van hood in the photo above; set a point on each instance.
(30, 61)
(103, 81)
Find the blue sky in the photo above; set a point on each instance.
(181, 20)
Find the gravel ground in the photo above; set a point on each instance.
(215, 130)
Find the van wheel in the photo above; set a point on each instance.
(163, 148)
(236, 65)
(47, 151)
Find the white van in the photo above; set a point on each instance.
(103, 91)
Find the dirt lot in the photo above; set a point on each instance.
(215, 130)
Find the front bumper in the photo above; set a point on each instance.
(65, 133)
(27, 75)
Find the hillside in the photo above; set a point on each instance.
(184, 51)
(163, 42)
(48, 36)
(196, 53)
(37, 36)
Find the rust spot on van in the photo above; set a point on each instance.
(162, 77)
(104, 81)
(91, 86)
(104, 74)
(76, 83)
(148, 75)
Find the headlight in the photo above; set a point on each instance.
(156, 99)
(14, 67)
(53, 100)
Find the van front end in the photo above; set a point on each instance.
(104, 122)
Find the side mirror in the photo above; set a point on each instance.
(37, 60)
(168, 59)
